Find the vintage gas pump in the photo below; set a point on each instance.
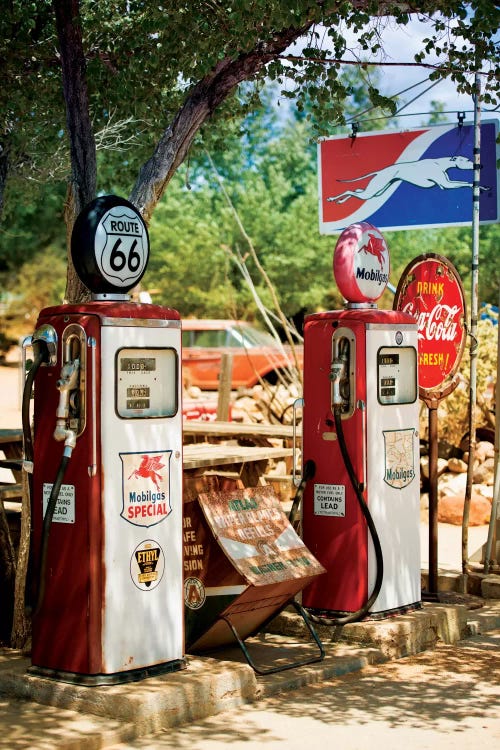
(107, 467)
(361, 506)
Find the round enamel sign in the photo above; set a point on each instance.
(431, 291)
(110, 245)
(361, 263)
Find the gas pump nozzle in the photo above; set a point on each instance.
(67, 383)
(337, 374)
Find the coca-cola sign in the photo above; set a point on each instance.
(430, 290)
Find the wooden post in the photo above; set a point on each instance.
(225, 382)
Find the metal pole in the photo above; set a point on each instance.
(473, 326)
(433, 501)
(495, 506)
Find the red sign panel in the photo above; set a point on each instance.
(431, 291)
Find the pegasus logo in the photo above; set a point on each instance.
(375, 247)
(148, 469)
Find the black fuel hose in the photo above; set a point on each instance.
(47, 522)
(40, 358)
(308, 473)
(363, 611)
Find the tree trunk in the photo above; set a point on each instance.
(7, 576)
(81, 137)
(21, 626)
(202, 101)
(4, 171)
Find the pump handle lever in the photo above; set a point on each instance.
(66, 384)
(298, 403)
(337, 373)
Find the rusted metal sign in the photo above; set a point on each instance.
(431, 291)
(257, 537)
(242, 560)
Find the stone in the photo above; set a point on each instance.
(490, 587)
(484, 450)
(452, 484)
(483, 475)
(457, 466)
(451, 510)
(442, 465)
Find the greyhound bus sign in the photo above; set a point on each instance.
(407, 179)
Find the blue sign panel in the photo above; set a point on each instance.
(408, 179)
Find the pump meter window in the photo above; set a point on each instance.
(146, 383)
(397, 375)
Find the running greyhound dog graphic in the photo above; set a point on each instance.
(425, 173)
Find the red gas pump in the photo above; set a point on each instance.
(361, 506)
(107, 467)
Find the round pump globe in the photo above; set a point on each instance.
(110, 245)
(361, 263)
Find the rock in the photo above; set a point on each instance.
(483, 475)
(490, 587)
(457, 466)
(442, 465)
(193, 391)
(484, 450)
(451, 510)
(484, 490)
(452, 484)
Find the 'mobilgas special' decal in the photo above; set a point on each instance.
(399, 449)
(146, 487)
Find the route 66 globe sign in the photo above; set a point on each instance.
(110, 245)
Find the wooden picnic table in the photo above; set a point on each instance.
(11, 443)
(205, 456)
(258, 434)
(248, 464)
(251, 462)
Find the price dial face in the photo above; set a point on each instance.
(397, 375)
(146, 383)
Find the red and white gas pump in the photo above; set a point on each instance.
(107, 467)
(361, 505)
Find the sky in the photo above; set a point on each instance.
(400, 45)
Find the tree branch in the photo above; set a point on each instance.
(201, 102)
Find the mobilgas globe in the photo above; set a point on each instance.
(361, 263)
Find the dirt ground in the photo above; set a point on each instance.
(10, 396)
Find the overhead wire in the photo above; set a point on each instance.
(398, 113)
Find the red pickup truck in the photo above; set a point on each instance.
(256, 354)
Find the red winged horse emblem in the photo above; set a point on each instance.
(376, 247)
(148, 469)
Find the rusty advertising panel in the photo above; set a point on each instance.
(431, 291)
(257, 537)
(242, 560)
(211, 582)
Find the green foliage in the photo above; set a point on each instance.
(32, 221)
(454, 409)
(38, 284)
(454, 243)
(144, 57)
